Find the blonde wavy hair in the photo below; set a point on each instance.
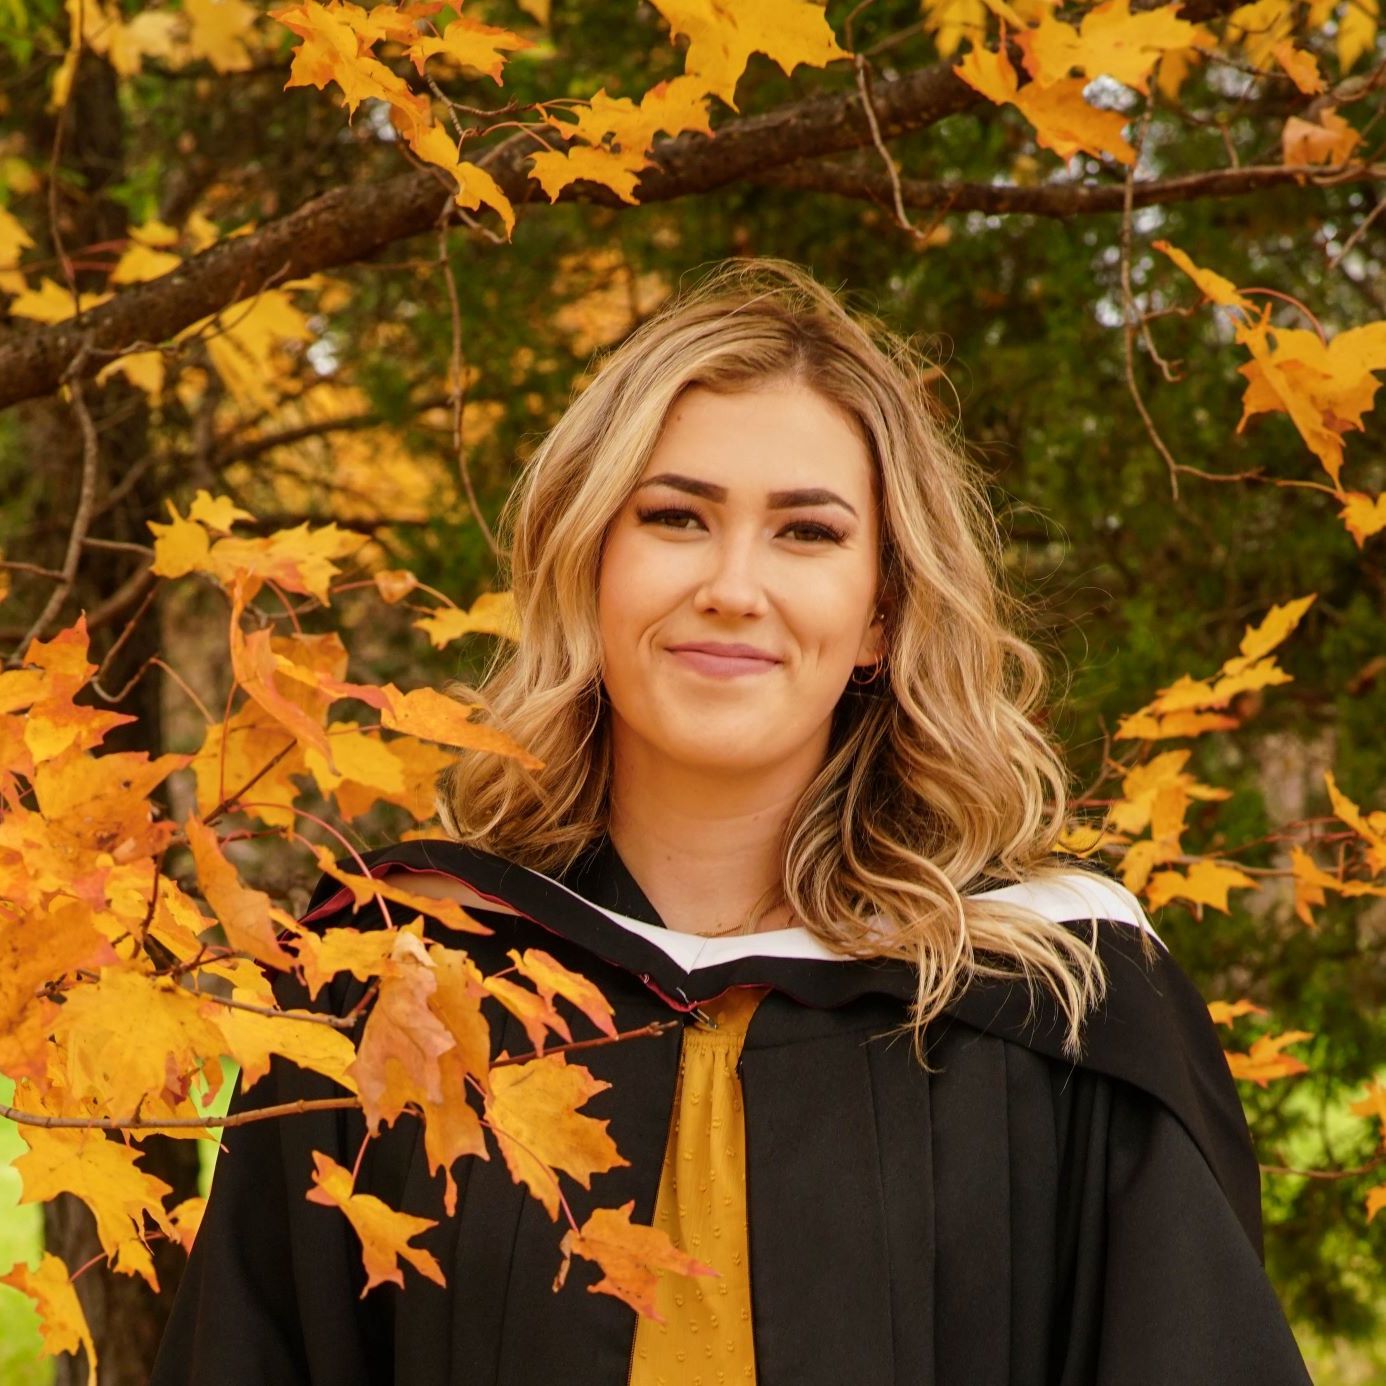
(936, 774)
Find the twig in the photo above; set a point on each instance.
(86, 497)
(282, 1109)
(458, 390)
(1128, 303)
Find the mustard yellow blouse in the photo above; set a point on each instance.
(701, 1206)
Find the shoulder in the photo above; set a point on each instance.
(1076, 895)
(1152, 1031)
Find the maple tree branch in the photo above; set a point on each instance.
(1378, 1159)
(1058, 200)
(209, 1122)
(349, 224)
(298, 1108)
(252, 448)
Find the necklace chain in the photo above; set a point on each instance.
(725, 933)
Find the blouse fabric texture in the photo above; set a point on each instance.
(705, 1339)
(1007, 1218)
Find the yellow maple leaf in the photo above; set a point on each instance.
(236, 751)
(550, 977)
(246, 344)
(297, 559)
(394, 584)
(362, 952)
(672, 106)
(186, 1218)
(617, 169)
(721, 38)
(145, 370)
(1375, 1201)
(1325, 388)
(139, 263)
(1372, 1105)
(1258, 27)
(475, 186)
(532, 1108)
(251, 1039)
(218, 513)
(1063, 121)
(1110, 42)
(1301, 65)
(367, 888)
(1363, 515)
(103, 1174)
(385, 1234)
(35, 949)
(1225, 1012)
(337, 47)
(397, 1060)
(534, 1012)
(121, 1064)
(1358, 24)
(359, 756)
(61, 1320)
(951, 21)
(246, 914)
(14, 239)
(218, 30)
(1205, 883)
(1212, 285)
(1371, 828)
(180, 547)
(51, 302)
(492, 613)
(468, 42)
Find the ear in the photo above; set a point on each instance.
(874, 643)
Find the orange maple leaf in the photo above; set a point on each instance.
(1265, 1061)
(630, 1255)
(384, 1233)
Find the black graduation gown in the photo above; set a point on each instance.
(1008, 1220)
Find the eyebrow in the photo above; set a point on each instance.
(778, 500)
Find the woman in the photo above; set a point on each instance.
(792, 795)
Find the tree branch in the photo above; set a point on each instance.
(349, 224)
(1058, 200)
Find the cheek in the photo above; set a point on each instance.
(833, 613)
(624, 590)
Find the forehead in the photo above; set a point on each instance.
(773, 437)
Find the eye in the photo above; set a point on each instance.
(668, 517)
(817, 531)
(674, 517)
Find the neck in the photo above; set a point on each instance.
(704, 846)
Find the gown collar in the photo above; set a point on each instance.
(598, 904)
(1152, 1029)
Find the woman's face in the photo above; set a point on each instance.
(738, 586)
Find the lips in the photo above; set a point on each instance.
(725, 650)
(723, 660)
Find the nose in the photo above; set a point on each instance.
(732, 584)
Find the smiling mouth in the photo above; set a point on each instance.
(723, 666)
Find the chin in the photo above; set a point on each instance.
(724, 744)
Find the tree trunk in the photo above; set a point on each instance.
(126, 1318)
